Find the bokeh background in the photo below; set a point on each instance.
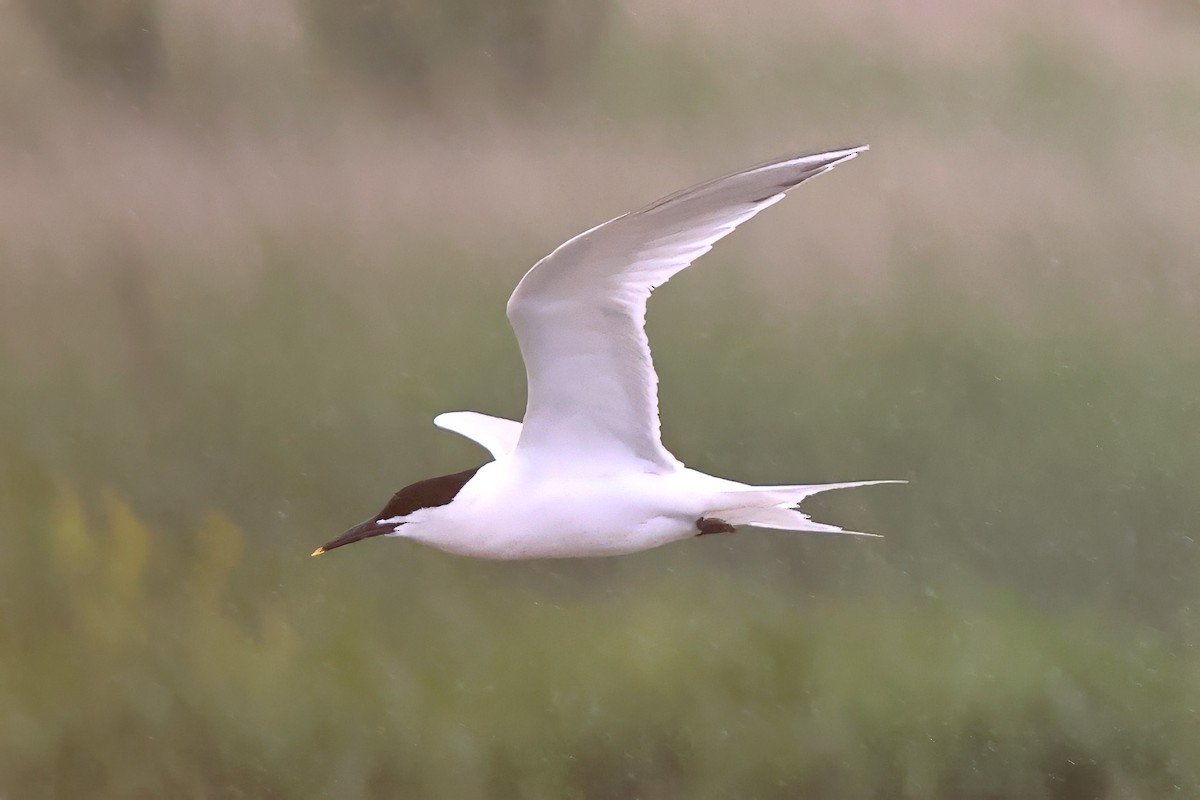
(248, 250)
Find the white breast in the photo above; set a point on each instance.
(505, 512)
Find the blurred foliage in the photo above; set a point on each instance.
(768, 666)
(116, 42)
(227, 319)
(152, 664)
(415, 48)
(521, 48)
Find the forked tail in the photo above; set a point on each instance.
(776, 506)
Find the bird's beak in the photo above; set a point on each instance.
(359, 532)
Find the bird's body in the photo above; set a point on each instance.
(586, 474)
(511, 511)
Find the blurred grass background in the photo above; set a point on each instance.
(248, 250)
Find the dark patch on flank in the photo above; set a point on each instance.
(429, 493)
(708, 525)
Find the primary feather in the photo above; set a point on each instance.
(579, 316)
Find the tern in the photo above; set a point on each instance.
(586, 473)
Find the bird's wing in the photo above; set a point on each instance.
(579, 315)
(497, 435)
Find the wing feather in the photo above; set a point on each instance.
(496, 434)
(579, 316)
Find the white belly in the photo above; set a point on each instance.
(502, 514)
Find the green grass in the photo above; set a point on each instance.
(230, 308)
(1021, 632)
(142, 665)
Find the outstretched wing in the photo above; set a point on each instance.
(579, 315)
(497, 435)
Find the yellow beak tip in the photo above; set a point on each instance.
(317, 552)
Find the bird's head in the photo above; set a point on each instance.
(399, 511)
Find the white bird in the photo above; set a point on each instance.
(586, 473)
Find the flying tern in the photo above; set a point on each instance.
(585, 473)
